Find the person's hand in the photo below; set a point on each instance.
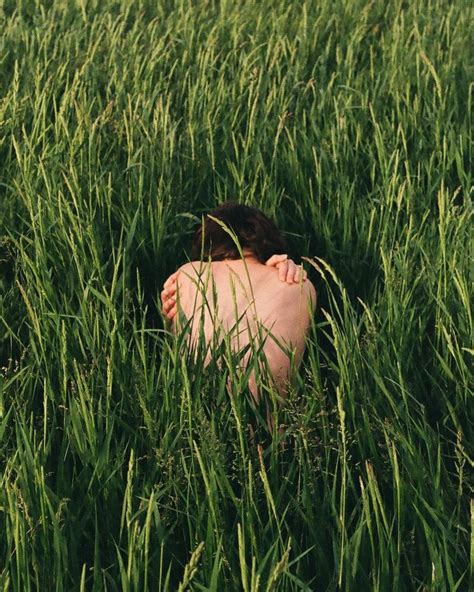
(168, 296)
(288, 271)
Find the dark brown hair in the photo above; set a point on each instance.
(253, 229)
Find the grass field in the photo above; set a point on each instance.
(122, 466)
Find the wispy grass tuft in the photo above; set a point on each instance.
(124, 466)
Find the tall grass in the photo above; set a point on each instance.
(123, 465)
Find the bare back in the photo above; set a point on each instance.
(249, 304)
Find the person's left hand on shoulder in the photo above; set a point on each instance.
(288, 271)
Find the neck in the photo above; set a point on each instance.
(249, 256)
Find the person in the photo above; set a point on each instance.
(240, 287)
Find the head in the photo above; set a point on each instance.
(255, 232)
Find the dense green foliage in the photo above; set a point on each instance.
(122, 466)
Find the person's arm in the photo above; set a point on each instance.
(288, 272)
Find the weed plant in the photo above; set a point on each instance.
(124, 464)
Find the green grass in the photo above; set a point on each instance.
(122, 466)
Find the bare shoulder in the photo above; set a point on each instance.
(306, 287)
(307, 291)
(286, 294)
(310, 292)
(190, 265)
(194, 268)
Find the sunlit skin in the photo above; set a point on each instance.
(275, 296)
(288, 272)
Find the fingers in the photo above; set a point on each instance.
(288, 271)
(282, 270)
(281, 263)
(300, 274)
(169, 292)
(291, 272)
(168, 305)
(168, 296)
(167, 302)
(169, 287)
(297, 274)
(275, 259)
(171, 281)
(170, 310)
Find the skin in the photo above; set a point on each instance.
(275, 298)
(288, 272)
